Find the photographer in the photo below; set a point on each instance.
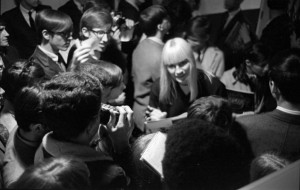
(71, 108)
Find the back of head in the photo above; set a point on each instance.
(198, 28)
(151, 17)
(266, 164)
(53, 21)
(55, 173)
(144, 177)
(71, 102)
(278, 4)
(213, 109)
(285, 73)
(20, 74)
(109, 74)
(28, 107)
(200, 155)
(95, 17)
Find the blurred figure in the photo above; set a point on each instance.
(295, 35)
(8, 55)
(180, 83)
(146, 58)
(213, 109)
(180, 13)
(266, 164)
(200, 155)
(278, 130)
(26, 136)
(56, 173)
(21, 26)
(233, 34)
(251, 76)
(208, 58)
(22, 73)
(74, 8)
(277, 32)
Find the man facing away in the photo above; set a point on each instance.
(278, 130)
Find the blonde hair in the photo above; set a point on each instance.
(176, 50)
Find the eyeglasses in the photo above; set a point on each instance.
(101, 33)
(65, 35)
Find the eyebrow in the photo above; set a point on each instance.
(177, 63)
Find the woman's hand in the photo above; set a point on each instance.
(153, 114)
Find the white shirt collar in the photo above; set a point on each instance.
(53, 56)
(25, 11)
(156, 39)
(293, 112)
(135, 6)
(25, 14)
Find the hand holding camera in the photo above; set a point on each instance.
(120, 128)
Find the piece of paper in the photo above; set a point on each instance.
(154, 153)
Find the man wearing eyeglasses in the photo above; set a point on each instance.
(54, 30)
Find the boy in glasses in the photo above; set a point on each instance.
(54, 30)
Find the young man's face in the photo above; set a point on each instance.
(3, 36)
(101, 35)
(30, 3)
(60, 41)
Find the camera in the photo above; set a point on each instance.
(105, 113)
(118, 19)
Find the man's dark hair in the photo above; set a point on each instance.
(214, 109)
(71, 102)
(53, 21)
(20, 74)
(200, 155)
(198, 27)
(27, 106)
(151, 17)
(285, 72)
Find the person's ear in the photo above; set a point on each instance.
(85, 32)
(274, 89)
(160, 27)
(46, 35)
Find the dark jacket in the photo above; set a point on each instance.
(21, 35)
(277, 33)
(104, 172)
(230, 41)
(50, 67)
(272, 131)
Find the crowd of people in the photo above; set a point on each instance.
(79, 84)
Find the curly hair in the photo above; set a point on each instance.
(200, 155)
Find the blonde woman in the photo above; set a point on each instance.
(180, 82)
